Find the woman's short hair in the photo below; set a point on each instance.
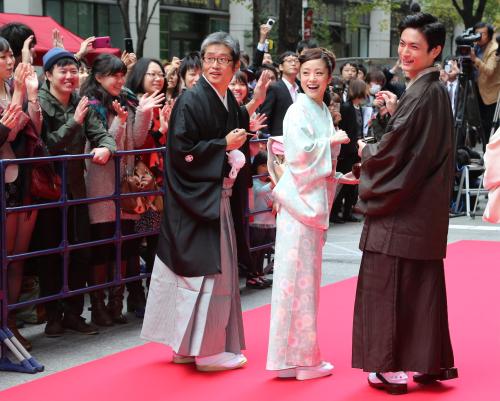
(376, 76)
(357, 89)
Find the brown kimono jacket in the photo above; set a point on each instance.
(406, 178)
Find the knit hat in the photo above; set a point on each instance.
(54, 55)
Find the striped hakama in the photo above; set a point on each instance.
(198, 316)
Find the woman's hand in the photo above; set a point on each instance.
(81, 110)
(257, 122)
(101, 155)
(260, 90)
(31, 83)
(151, 101)
(340, 137)
(85, 46)
(26, 56)
(20, 74)
(11, 115)
(121, 112)
(129, 59)
(165, 116)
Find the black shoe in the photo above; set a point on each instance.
(78, 324)
(337, 220)
(351, 219)
(427, 378)
(54, 328)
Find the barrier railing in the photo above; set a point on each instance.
(27, 363)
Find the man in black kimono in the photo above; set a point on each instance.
(400, 315)
(193, 303)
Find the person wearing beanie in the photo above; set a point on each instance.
(68, 124)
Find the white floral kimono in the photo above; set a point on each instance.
(304, 194)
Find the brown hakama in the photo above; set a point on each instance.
(400, 316)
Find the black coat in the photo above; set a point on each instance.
(278, 100)
(196, 163)
(349, 151)
(406, 178)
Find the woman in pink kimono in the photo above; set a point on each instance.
(303, 197)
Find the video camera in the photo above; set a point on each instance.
(465, 42)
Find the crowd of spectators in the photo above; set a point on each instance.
(125, 104)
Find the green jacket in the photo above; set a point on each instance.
(63, 136)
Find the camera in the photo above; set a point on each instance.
(465, 42)
(270, 22)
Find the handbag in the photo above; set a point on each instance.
(45, 183)
(140, 180)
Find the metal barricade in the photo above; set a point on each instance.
(28, 364)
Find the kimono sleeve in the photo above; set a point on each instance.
(308, 157)
(394, 169)
(193, 157)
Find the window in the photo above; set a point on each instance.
(88, 19)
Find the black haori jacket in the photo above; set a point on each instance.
(195, 165)
(406, 179)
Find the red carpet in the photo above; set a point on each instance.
(144, 373)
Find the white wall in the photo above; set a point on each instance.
(152, 43)
(33, 7)
(240, 22)
(380, 34)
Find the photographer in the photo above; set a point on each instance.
(488, 75)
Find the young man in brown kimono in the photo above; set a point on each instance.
(400, 315)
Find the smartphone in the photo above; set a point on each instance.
(102, 41)
(270, 22)
(369, 139)
(129, 46)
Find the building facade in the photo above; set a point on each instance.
(177, 27)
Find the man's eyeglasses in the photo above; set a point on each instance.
(155, 75)
(220, 60)
(291, 60)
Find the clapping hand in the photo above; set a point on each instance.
(121, 112)
(31, 83)
(260, 91)
(165, 116)
(11, 115)
(151, 101)
(26, 56)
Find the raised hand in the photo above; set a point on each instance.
(31, 83)
(129, 59)
(85, 46)
(151, 101)
(57, 39)
(165, 113)
(260, 91)
(257, 122)
(26, 56)
(20, 74)
(81, 110)
(11, 115)
(121, 112)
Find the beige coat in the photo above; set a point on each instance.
(488, 79)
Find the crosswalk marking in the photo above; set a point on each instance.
(477, 228)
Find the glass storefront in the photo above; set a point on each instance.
(183, 27)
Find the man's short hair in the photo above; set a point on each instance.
(306, 44)
(288, 53)
(222, 38)
(191, 62)
(16, 33)
(352, 64)
(429, 26)
(269, 67)
(490, 28)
